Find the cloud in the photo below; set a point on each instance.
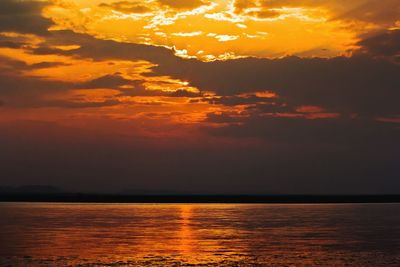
(128, 6)
(140, 7)
(14, 66)
(8, 42)
(256, 9)
(237, 100)
(22, 91)
(131, 87)
(347, 85)
(26, 87)
(99, 49)
(23, 17)
(362, 85)
(386, 44)
(183, 4)
(340, 131)
(112, 81)
(373, 11)
(358, 84)
(46, 65)
(184, 93)
(370, 11)
(79, 105)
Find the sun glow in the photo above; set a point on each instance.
(214, 28)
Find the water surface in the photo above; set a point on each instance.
(199, 234)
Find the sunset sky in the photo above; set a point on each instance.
(197, 96)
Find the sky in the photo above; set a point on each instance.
(201, 96)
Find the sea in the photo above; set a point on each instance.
(79, 234)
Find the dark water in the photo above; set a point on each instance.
(199, 235)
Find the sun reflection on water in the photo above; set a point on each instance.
(185, 232)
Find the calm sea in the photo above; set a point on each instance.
(199, 235)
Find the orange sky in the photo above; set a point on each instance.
(197, 29)
(223, 29)
(175, 92)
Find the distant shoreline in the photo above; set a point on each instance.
(273, 199)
